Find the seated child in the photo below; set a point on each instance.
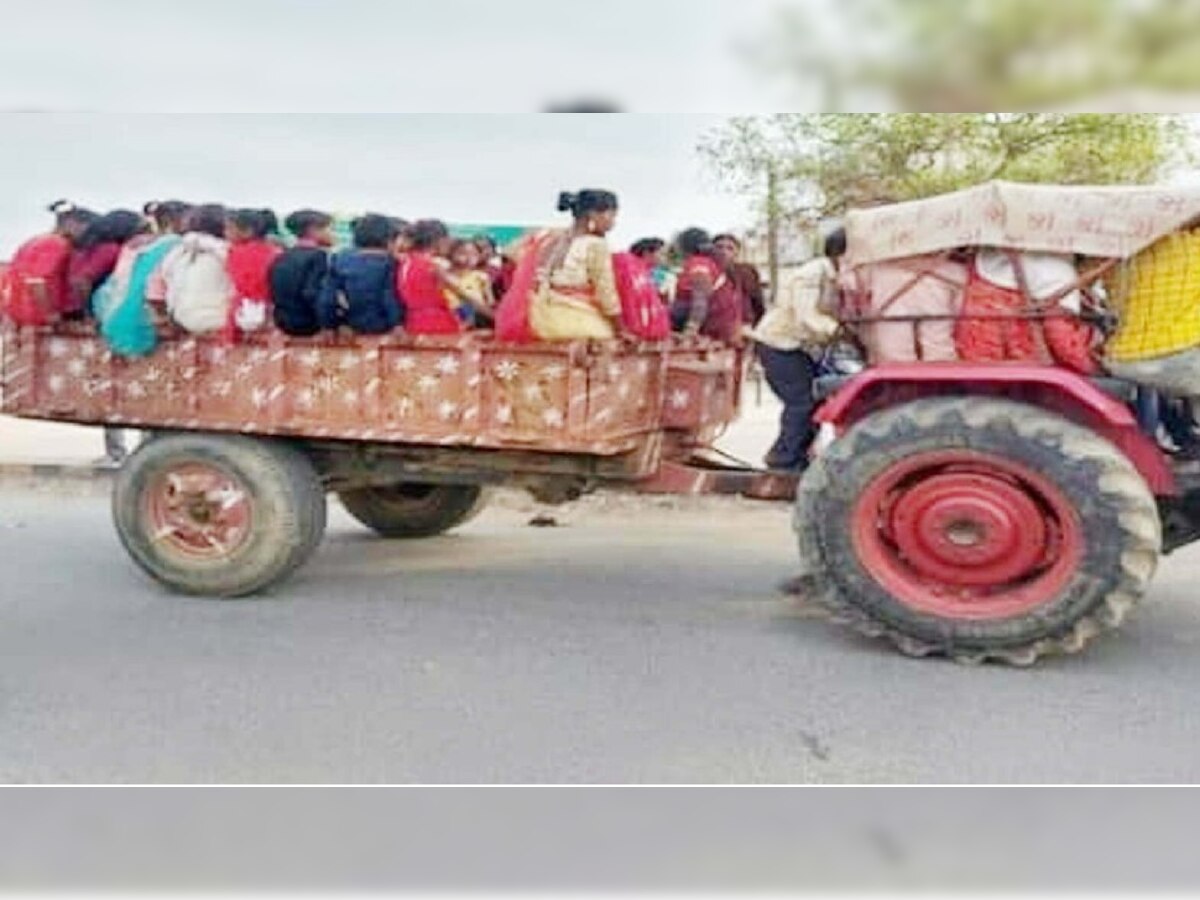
(469, 280)
(425, 282)
(251, 253)
(122, 303)
(498, 266)
(298, 273)
(359, 290)
(96, 254)
(198, 288)
(34, 289)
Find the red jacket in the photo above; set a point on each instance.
(34, 290)
(420, 289)
(249, 267)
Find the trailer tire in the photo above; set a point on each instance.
(218, 515)
(411, 510)
(976, 528)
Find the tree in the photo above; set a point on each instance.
(819, 165)
(963, 55)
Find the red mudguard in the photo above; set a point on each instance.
(1072, 396)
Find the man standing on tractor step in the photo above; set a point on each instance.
(790, 340)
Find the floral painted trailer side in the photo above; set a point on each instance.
(228, 495)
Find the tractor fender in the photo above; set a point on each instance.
(1057, 390)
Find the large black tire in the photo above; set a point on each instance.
(406, 511)
(1111, 522)
(274, 483)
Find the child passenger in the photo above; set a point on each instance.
(472, 281)
(123, 303)
(251, 254)
(425, 284)
(198, 288)
(34, 289)
(96, 254)
(298, 273)
(359, 290)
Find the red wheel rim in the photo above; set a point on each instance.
(966, 535)
(198, 510)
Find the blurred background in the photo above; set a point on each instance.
(666, 56)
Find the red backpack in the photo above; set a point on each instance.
(34, 288)
(642, 310)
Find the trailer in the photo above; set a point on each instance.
(227, 496)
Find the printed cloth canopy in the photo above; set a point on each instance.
(1091, 221)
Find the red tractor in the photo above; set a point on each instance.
(1002, 509)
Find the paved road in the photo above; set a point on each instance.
(641, 646)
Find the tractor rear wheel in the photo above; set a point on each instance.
(976, 528)
(412, 510)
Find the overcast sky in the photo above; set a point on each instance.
(462, 168)
(382, 55)
(479, 64)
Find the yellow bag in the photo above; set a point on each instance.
(1157, 296)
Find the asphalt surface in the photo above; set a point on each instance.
(632, 645)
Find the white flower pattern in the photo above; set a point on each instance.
(430, 387)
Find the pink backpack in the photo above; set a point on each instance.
(642, 310)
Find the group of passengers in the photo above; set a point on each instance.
(212, 270)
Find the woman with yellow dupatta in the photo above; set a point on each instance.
(564, 288)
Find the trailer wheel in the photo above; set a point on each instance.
(216, 515)
(977, 529)
(412, 510)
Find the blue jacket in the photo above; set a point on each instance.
(360, 291)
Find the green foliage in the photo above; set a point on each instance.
(962, 55)
(820, 165)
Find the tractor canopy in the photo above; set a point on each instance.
(1096, 221)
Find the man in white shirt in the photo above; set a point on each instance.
(790, 339)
